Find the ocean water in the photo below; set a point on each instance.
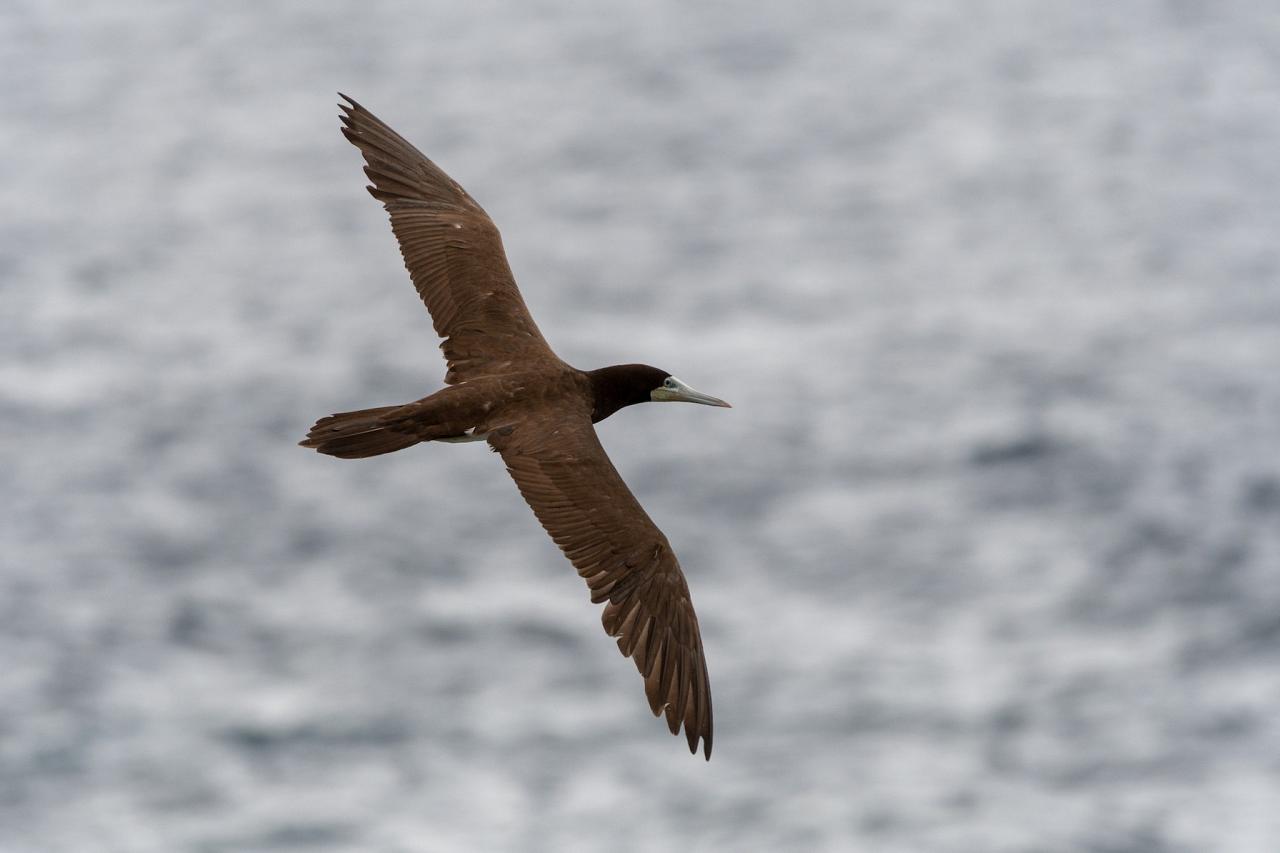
(987, 554)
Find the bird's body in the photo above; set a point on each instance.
(504, 385)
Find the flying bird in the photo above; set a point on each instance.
(504, 385)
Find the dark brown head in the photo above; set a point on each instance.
(627, 384)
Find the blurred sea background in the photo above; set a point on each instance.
(987, 554)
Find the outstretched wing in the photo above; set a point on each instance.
(563, 472)
(453, 253)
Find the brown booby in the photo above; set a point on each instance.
(504, 385)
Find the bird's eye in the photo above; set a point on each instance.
(669, 382)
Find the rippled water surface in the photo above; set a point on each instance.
(987, 554)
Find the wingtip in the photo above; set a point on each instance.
(349, 109)
(694, 737)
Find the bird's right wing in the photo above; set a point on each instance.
(453, 253)
(563, 472)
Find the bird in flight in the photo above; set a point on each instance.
(505, 386)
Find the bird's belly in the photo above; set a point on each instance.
(469, 435)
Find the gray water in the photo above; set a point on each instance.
(987, 554)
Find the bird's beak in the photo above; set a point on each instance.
(681, 393)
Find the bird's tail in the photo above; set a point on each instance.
(355, 435)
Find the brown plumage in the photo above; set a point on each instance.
(506, 386)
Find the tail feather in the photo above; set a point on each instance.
(355, 435)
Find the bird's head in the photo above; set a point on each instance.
(628, 384)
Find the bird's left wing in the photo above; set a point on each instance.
(453, 253)
(563, 472)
